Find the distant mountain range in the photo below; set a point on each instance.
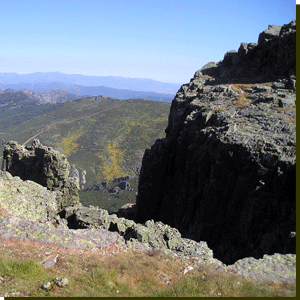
(112, 86)
(9, 96)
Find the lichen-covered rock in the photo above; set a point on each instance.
(22, 229)
(151, 235)
(44, 166)
(80, 216)
(225, 173)
(155, 234)
(276, 268)
(27, 199)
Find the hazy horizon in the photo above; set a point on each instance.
(64, 73)
(166, 41)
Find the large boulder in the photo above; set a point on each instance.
(44, 166)
(27, 199)
(225, 173)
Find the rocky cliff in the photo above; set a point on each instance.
(225, 173)
(31, 212)
(44, 166)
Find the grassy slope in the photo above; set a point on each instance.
(92, 273)
(18, 107)
(103, 136)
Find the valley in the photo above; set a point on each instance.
(103, 137)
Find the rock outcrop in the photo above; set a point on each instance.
(24, 229)
(119, 185)
(225, 173)
(29, 211)
(44, 166)
(272, 58)
(27, 199)
(141, 236)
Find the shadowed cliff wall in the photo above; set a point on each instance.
(225, 173)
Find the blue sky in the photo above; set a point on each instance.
(166, 40)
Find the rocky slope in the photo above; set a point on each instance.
(29, 211)
(225, 173)
(25, 215)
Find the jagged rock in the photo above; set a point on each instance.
(28, 199)
(244, 48)
(143, 236)
(44, 166)
(125, 186)
(127, 211)
(231, 58)
(74, 173)
(120, 183)
(121, 179)
(270, 33)
(97, 223)
(88, 217)
(114, 190)
(225, 173)
(272, 58)
(102, 186)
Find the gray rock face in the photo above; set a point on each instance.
(270, 33)
(28, 199)
(273, 57)
(225, 173)
(142, 236)
(44, 166)
(22, 229)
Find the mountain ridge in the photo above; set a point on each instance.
(80, 90)
(118, 82)
(53, 96)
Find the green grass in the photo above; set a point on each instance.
(125, 274)
(21, 269)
